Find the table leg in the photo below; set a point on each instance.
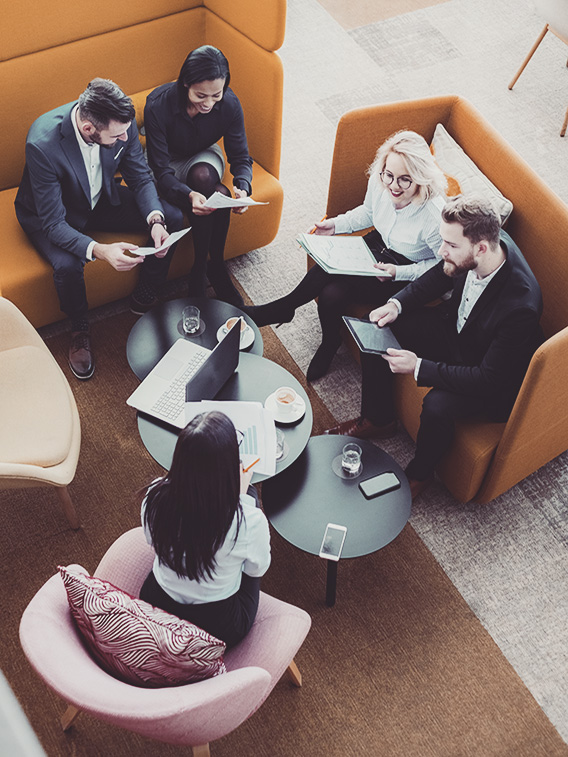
(331, 583)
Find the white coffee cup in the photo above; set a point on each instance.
(230, 322)
(286, 400)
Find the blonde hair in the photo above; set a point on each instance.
(419, 161)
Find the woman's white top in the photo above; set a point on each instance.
(250, 554)
(413, 231)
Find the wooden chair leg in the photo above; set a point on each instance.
(68, 507)
(565, 124)
(529, 56)
(294, 674)
(201, 751)
(69, 716)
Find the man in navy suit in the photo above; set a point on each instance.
(475, 347)
(69, 190)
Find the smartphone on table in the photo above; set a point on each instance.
(332, 543)
(381, 484)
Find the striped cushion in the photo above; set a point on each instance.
(136, 642)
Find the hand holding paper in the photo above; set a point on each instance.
(172, 239)
(218, 200)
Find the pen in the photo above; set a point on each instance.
(250, 466)
(313, 231)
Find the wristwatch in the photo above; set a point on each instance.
(154, 221)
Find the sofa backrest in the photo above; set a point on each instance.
(50, 51)
(539, 221)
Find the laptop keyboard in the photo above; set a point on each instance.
(172, 401)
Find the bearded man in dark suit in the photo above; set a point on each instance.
(475, 346)
(69, 189)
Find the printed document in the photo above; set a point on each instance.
(219, 200)
(341, 254)
(172, 239)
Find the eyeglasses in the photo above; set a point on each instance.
(240, 436)
(403, 182)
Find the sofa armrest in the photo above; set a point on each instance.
(537, 430)
(263, 22)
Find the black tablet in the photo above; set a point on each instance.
(369, 337)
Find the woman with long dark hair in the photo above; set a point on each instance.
(183, 121)
(211, 539)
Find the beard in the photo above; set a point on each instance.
(96, 138)
(454, 269)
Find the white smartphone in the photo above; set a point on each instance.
(332, 542)
(381, 484)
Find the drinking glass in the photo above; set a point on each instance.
(190, 319)
(351, 459)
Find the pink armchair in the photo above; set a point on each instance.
(194, 714)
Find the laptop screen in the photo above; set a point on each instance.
(217, 369)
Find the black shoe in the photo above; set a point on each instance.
(278, 311)
(361, 428)
(321, 361)
(81, 359)
(142, 299)
(221, 282)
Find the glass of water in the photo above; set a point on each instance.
(190, 319)
(351, 459)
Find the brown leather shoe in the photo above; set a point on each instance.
(417, 487)
(363, 429)
(81, 359)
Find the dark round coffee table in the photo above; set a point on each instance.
(302, 500)
(154, 333)
(255, 379)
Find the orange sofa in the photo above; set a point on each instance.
(48, 54)
(486, 458)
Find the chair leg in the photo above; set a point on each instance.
(69, 716)
(565, 124)
(294, 674)
(201, 751)
(529, 56)
(68, 507)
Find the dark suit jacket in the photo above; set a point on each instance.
(54, 194)
(495, 346)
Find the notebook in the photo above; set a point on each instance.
(187, 372)
(369, 337)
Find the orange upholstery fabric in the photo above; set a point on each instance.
(487, 458)
(49, 54)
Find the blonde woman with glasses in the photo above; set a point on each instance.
(404, 200)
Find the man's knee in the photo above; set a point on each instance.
(438, 407)
(68, 268)
(173, 217)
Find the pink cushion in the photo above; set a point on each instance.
(136, 642)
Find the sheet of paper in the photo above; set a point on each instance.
(218, 200)
(174, 237)
(256, 425)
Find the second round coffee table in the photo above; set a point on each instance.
(255, 378)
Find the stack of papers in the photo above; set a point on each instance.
(254, 422)
(341, 254)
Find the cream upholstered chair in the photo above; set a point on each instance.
(192, 714)
(556, 14)
(41, 434)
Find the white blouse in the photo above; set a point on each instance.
(413, 231)
(250, 554)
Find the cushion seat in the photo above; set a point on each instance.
(37, 422)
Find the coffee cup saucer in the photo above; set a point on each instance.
(247, 336)
(297, 412)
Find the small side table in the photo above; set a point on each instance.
(304, 498)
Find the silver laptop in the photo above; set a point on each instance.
(190, 371)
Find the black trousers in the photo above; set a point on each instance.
(68, 269)
(430, 335)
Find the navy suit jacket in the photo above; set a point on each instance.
(495, 346)
(54, 194)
